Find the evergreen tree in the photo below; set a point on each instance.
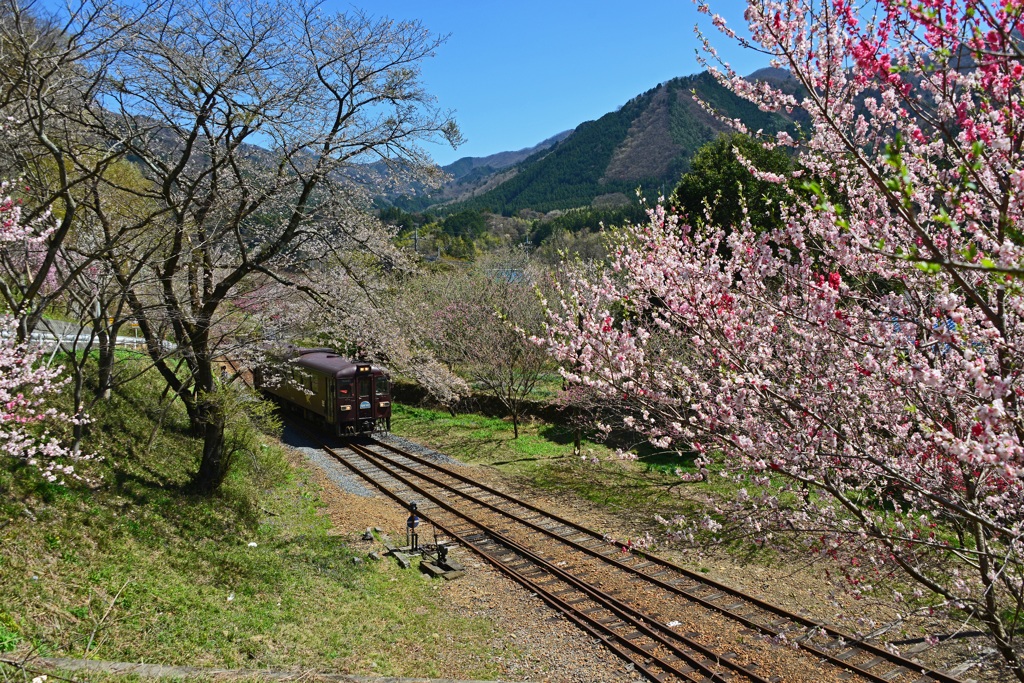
(717, 178)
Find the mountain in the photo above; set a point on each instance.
(648, 142)
(495, 162)
(469, 176)
(472, 176)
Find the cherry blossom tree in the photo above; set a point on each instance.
(856, 371)
(249, 120)
(472, 321)
(51, 65)
(26, 386)
(363, 302)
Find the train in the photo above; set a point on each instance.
(340, 395)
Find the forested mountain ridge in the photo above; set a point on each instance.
(467, 166)
(648, 143)
(468, 176)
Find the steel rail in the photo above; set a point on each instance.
(637, 618)
(608, 603)
(851, 642)
(598, 630)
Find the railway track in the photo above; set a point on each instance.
(669, 623)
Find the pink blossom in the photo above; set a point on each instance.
(871, 350)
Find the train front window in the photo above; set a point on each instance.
(345, 389)
(364, 387)
(382, 386)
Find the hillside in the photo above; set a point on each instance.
(648, 143)
(467, 167)
(470, 176)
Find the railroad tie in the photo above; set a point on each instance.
(848, 654)
(663, 581)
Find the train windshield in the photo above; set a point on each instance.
(382, 386)
(364, 387)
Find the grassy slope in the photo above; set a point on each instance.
(136, 570)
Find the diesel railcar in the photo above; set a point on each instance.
(341, 395)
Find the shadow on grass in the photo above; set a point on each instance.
(659, 460)
(557, 434)
(468, 448)
(513, 461)
(472, 447)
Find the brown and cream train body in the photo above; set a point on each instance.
(342, 395)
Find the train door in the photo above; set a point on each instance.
(330, 402)
(383, 402)
(364, 391)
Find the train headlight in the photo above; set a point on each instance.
(344, 407)
(384, 404)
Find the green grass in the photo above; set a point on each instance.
(543, 456)
(191, 590)
(132, 568)
(547, 387)
(480, 439)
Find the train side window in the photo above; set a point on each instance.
(382, 386)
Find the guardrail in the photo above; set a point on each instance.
(77, 340)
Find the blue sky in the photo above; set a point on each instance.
(519, 72)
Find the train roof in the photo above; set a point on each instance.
(330, 363)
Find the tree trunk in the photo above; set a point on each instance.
(106, 365)
(78, 431)
(214, 465)
(208, 422)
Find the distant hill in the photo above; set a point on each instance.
(495, 162)
(647, 142)
(469, 176)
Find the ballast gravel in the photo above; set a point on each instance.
(418, 449)
(338, 474)
(531, 642)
